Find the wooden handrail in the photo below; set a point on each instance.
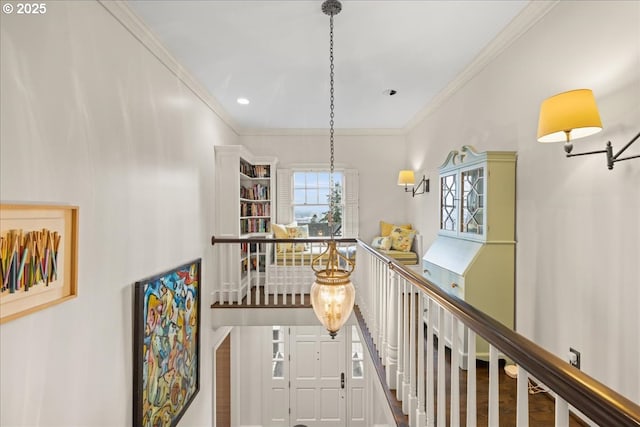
(598, 402)
(215, 240)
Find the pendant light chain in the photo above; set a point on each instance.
(332, 293)
(331, 123)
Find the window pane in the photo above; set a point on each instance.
(278, 369)
(277, 333)
(354, 334)
(356, 351)
(299, 179)
(323, 179)
(312, 179)
(299, 197)
(323, 195)
(305, 214)
(278, 350)
(357, 369)
(312, 197)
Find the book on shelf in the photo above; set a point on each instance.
(255, 171)
(254, 225)
(255, 192)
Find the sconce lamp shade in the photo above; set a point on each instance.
(568, 116)
(406, 177)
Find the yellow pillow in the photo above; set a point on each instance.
(386, 228)
(280, 232)
(402, 239)
(296, 232)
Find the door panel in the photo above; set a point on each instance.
(317, 362)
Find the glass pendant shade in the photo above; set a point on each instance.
(332, 293)
(333, 304)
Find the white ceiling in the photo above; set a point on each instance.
(276, 54)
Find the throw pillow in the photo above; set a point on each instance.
(402, 239)
(383, 243)
(280, 232)
(297, 232)
(386, 228)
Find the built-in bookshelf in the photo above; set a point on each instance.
(245, 186)
(255, 198)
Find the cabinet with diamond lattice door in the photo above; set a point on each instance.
(473, 257)
(477, 195)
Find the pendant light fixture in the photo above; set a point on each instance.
(332, 293)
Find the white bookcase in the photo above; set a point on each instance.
(245, 193)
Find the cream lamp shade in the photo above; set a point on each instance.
(568, 116)
(406, 177)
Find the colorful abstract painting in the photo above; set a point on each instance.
(166, 346)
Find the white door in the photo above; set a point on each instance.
(318, 377)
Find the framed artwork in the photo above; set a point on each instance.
(38, 257)
(166, 345)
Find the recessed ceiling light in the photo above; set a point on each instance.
(242, 101)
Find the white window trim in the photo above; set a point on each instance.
(284, 190)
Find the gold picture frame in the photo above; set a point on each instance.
(38, 257)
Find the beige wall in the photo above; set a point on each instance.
(578, 224)
(91, 118)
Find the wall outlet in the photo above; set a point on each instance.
(574, 357)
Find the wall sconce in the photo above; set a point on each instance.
(572, 115)
(408, 179)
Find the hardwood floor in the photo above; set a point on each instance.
(223, 383)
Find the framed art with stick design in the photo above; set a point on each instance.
(38, 257)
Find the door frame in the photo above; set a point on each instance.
(266, 356)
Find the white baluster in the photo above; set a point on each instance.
(455, 374)
(406, 352)
(383, 312)
(401, 338)
(562, 412)
(431, 308)
(420, 411)
(392, 331)
(523, 398)
(493, 387)
(472, 416)
(413, 400)
(442, 412)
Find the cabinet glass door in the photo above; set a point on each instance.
(472, 203)
(448, 208)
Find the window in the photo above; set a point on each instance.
(357, 356)
(312, 197)
(304, 191)
(277, 354)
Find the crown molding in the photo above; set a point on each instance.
(321, 132)
(121, 11)
(526, 19)
(531, 14)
